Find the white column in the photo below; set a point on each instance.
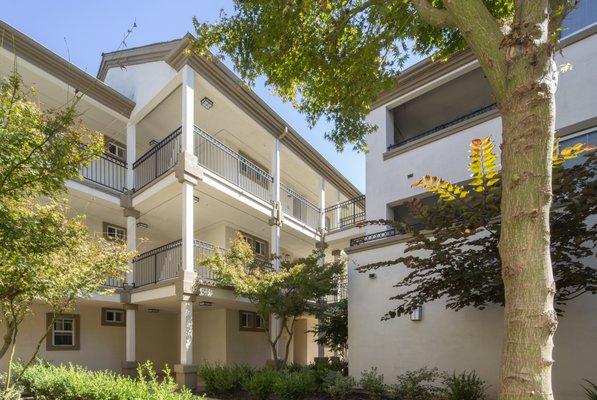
(337, 214)
(130, 344)
(275, 325)
(188, 108)
(187, 226)
(186, 332)
(322, 205)
(131, 154)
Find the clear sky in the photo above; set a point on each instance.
(80, 30)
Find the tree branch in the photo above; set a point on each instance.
(437, 17)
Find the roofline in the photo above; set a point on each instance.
(220, 76)
(426, 71)
(31, 51)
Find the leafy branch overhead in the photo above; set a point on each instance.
(460, 232)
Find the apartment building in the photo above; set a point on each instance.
(425, 126)
(193, 156)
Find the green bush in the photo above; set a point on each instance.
(590, 390)
(295, 385)
(372, 383)
(220, 379)
(464, 386)
(72, 382)
(337, 385)
(261, 384)
(417, 385)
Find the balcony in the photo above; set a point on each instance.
(106, 171)
(373, 236)
(220, 159)
(342, 291)
(165, 262)
(345, 215)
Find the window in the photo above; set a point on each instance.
(250, 321)
(64, 332)
(259, 246)
(254, 171)
(113, 317)
(114, 232)
(404, 213)
(116, 149)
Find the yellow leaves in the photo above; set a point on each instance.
(483, 164)
(569, 153)
(445, 190)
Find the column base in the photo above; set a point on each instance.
(186, 375)
(129, 368)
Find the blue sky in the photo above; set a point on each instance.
(88, 28)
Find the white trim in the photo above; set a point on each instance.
(74, 185)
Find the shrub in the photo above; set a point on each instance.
(72, 382)
(337, 385)
(464, 386)
(590, 390)
(372, 383)
(417, 385)
(261, 384)
(295, 385)
(224, 379)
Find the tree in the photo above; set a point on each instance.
(333, 58)
(332, 326)
(287, 293)
(455, 256)
(45, 256)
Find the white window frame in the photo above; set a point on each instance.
(72, 332)
(118, 148)
(108, 226)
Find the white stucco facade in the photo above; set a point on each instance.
(468, 339)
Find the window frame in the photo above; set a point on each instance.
(107, 225)
(106, 322)
(253, 325)
(76, 332)
(109, 141)
(252, 240)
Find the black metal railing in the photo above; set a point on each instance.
(160, 159)
(106, 171)
(341, 291)
(225, 162)
(373, 236)
(165, 262)
(114, 283)
(347, 214)
(300, 208)
(441, 127)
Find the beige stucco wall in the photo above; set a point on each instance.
(156, 337)
(101, 347)
(209, 341)
(305, 347)
(245, 347)
(464, 340)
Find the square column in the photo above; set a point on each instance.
(131, 155)
(186, 371)
(129, 366)
(187, 226)
(275, 223)
(188, 109)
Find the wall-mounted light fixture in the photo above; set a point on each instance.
(207, 103)
(372, 275)
(142, 225)
(153, 310)
(195, 199)
(417, 314)
(205, 303)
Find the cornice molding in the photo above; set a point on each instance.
(29, 50)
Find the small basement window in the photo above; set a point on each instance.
(64, 332)
(250, 321)
(113, 317)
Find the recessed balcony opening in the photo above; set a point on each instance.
(457, 101)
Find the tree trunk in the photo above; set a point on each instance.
(528, 118)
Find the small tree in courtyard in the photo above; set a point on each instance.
(332, 326)
(454, 252)
(45, 256)
(287, 293)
